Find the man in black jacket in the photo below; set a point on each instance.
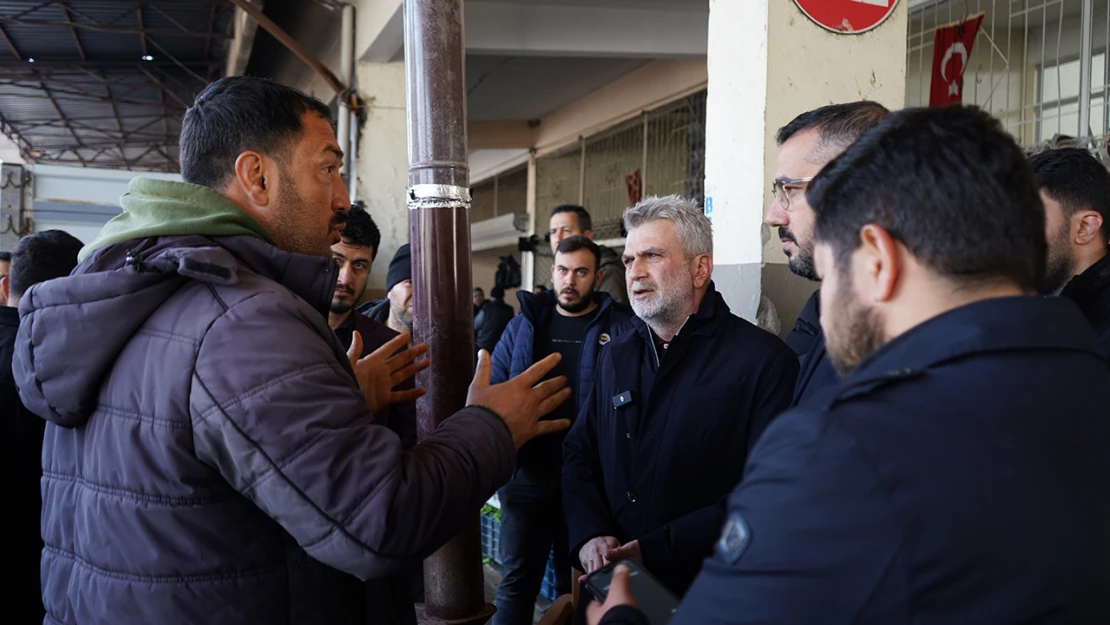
(1075, 189)
(491, 321)
(807, 144)
(39, 257)
(676, 405)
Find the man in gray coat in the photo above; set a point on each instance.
(210, 454)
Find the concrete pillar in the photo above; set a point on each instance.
(382, 164)
(789, 65)
(12, 198)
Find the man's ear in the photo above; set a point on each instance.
(882, 267)
(703, 270)
(1090, 227)
(250, 177)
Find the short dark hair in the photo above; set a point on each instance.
(840, 125)
(361, 230)
(584, 221)
(479, 289)
(950, 184)
(40, 257)
(236, 114)
(579, 242)
(5, 257)
(1076, 179)
(497, 292)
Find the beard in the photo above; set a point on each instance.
(294, 228)
(1059, 266)
(800, 263)
(582, 303)
(403, 315)
(856, 330)
(664, 308)
(340, 306)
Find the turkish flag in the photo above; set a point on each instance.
(635, 186)
(951, 54)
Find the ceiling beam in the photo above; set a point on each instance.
(122, 30)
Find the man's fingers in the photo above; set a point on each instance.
(354, 352)
(595, 611)
(404, 357)
(620, 588)
(535, 373)
(548, 388)
(553, 402)
(400, 397)
(394, 345)
(550, 427)
(482, 371)
(406, 373)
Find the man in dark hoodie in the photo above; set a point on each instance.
(575, 320)
(39, 257)
(1075, 190)
(211, 454)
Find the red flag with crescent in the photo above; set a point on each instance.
(951, 55)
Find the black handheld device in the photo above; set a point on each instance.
(656, 602)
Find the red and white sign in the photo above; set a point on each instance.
(951, 52)
(847, 16)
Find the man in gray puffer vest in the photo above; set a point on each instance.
(210, 455)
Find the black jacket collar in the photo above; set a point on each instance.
(993, 325)
(9, 316)
(711, 312)
(1087, 288)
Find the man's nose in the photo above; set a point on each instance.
(775, 215)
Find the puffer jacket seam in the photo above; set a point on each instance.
(130, 415)
(162, 579)
(249, 393)
(169, 336)
(136, 496)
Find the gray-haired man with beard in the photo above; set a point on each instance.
(807, 144)
(676, 405)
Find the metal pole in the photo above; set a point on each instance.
(346, 62)
(439, 226)
(1085, 72)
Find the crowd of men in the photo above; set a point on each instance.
(227, 432)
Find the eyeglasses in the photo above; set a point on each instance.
(782, 189)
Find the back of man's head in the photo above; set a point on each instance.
(839, 125)
(948, 183)
(1075, 179)
(236, 114)
(40, 257)
(360, 230)
(584, 221)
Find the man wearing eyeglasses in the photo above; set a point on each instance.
(807, 144)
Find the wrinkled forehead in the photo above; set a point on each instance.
(658, 234)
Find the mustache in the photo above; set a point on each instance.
(643, 286)
(340, 219)
(342, 288)
(785, 233)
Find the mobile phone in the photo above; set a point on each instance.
(656, 602)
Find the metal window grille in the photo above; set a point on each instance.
(663, 150)
(504, 193)
(1027, 66)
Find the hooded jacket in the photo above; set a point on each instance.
(209, 457)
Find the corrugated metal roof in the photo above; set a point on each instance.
(110, 78)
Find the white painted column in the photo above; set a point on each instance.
(768, 63)
(382, 164)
